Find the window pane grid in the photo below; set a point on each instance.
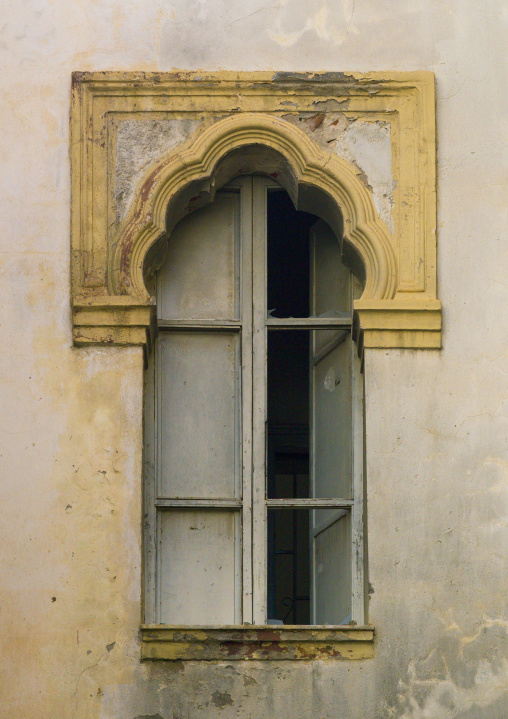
(251, 326)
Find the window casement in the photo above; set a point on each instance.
(254, 422)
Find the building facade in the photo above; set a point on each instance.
(335, 103)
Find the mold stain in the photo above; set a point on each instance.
(462, 677)
(222, 699)
(328, 27)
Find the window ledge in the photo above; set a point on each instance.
(206, 643)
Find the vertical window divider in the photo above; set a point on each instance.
(259, 511)
(158, 473)
(357, 510)
(246, 393)
(149, 494)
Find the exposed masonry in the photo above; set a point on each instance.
(368, 146)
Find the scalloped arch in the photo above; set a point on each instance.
(196, 161)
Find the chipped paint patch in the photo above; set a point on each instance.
(222, 699)
(325, 128)
(367, 145)
(330, 27)
(256, 643)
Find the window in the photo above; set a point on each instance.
(254, 421)
(117, 232)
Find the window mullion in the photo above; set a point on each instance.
(259, 399)
(246, 395)
(150, 510)
(357, 512)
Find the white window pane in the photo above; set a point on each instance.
(329, 277)
(330, 280)
(200, 567)
(198, 278)
(331, 449)
(198, 375)
(332, 569)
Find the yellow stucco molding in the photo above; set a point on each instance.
(305, 163)
(254, 643)
(111, 303)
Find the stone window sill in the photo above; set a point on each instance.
(249, 642)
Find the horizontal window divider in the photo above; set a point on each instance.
(199, 503)
(308, 323)
(234, 325)
(310, 503)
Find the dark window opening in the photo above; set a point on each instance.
(288, 272)
(288, 257)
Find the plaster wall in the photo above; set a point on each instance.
(70, 419)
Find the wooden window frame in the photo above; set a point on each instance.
(254, 639)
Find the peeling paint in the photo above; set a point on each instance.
(364, 143)
(368, 146)
(138, 143)
(251, 643)
(330, 127)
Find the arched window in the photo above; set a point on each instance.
(254, 420)
(235, 124)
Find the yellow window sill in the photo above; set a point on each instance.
(249, 642)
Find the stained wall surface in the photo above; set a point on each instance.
(71, 419)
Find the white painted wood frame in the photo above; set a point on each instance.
(251, 326)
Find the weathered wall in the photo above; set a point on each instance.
(70, 418)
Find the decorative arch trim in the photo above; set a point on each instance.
(110, 301)
(198, 161)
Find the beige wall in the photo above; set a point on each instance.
(70, 420)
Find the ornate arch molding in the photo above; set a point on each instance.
(111, 303)
(301, 162)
